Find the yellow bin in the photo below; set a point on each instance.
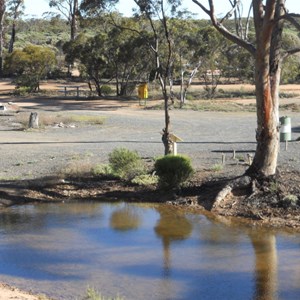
(143, 91)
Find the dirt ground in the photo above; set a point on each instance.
(8, 292)
(32, 161)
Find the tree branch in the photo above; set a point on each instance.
(202, 7)
(140, 33)
(291, 19)
(229, 14)
(223, 30)
(290, 52)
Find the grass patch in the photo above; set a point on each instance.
(12, 178)
(88, 119)
(66, 119)
(217, 167)
(102, 170)
(145, 180)
(92, 294)
(210, 105)
(241, 93)
(292, 107)
(221, 106)
(288, 95)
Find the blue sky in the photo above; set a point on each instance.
(37, 7)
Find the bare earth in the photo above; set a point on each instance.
(34, 158)
(7, 292)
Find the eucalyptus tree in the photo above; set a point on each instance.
(15, 10)
(185, 33)
(128, 55)
(70, 10)
(291, 65)
(158, 14)
(2, 16)
(90, 54)
(269, 19)
(94, 8)
(30, 65)
(210, 51)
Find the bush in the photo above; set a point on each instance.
(126, 164)
(173, 170)
(92, 294)
(106, 90)
(102, 170)
(145, 179)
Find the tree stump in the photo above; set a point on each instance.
(33, 120)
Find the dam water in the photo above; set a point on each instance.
(140, 251)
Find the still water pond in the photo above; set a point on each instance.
(143, 252)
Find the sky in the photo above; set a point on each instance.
(35, 8)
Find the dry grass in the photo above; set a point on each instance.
(51, 119)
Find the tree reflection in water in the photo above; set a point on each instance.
(125, 218)
(266, 277)
(171, 227)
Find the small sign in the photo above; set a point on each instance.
(174, 138)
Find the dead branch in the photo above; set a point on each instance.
(230, 13)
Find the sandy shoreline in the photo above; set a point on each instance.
(9, 292)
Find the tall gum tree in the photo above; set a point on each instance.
(2, 16)
(15, 9)
(70, 10)
(158, 14)
(269, 18)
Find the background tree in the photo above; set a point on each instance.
(93, 63)
(15, 9)
(185, 33)
(2, 16)
(70, 10)
(291, 65)
(158, 14)
(30, 65)
(269, 18)
(128, 55)
(94, 8)
(210, 52)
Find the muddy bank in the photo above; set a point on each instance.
(276, 203)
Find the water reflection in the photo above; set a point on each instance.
(125, 218)
(143, 252)
(36, 217)
(264, 245)
(171, 227)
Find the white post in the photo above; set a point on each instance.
(174, 148)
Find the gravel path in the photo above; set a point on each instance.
(206, 135)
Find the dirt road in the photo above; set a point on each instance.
(206, 136)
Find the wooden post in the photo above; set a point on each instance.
(77, 90)
(65, 91)
(223, 159)
(33, 120)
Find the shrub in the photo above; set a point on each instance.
(126, 164)
(106, 90)
(92, 294)
(30, 65)
(173, 170)
(102, 170)
(145, 179)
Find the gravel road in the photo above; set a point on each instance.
(206, 135)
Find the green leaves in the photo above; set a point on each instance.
(30, 65)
